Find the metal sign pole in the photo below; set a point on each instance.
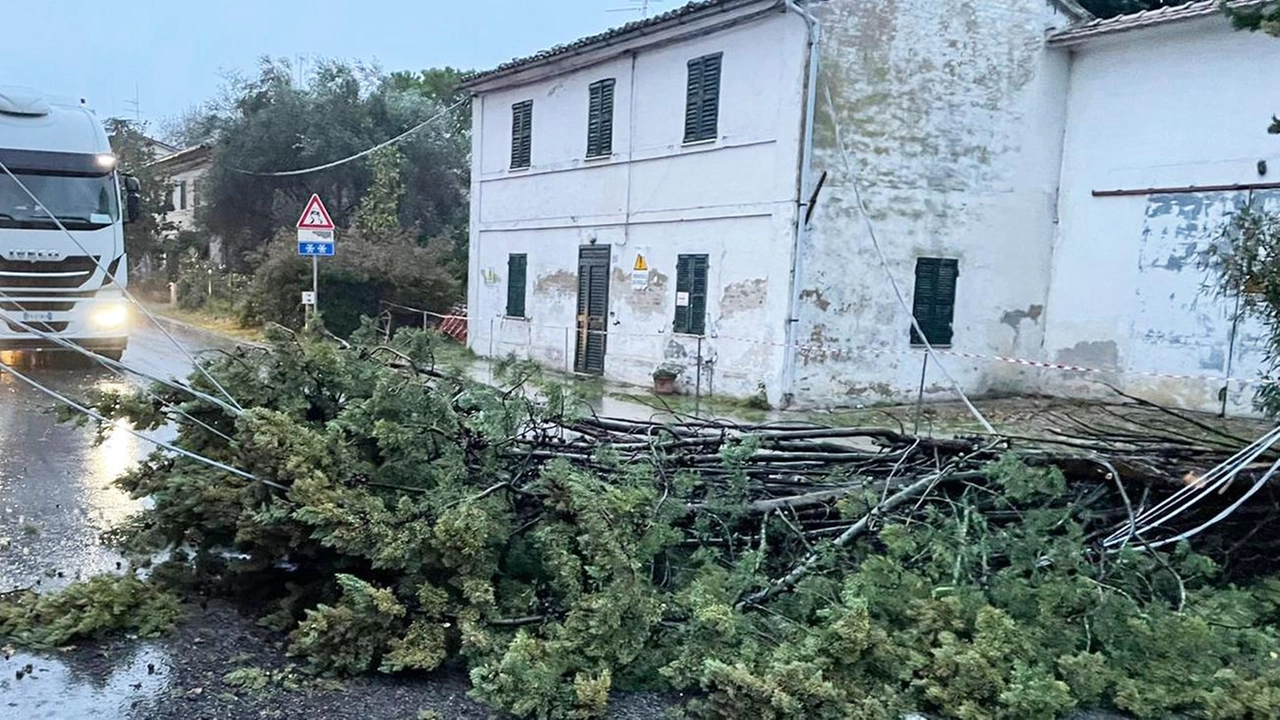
(315, 285)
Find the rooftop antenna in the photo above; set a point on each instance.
(640, 6)
(136, 103)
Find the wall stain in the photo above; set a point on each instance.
(558, 282)
(744, 296)
(1097, 353)
(674, 351)
(1014, 318)
(815, 296)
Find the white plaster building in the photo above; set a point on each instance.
(716, 149)
(185, 170)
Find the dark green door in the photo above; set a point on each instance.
(593, 308)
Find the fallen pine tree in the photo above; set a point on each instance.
(401, 517)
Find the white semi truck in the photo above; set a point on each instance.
(62, 256)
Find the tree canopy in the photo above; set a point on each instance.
(273, 123)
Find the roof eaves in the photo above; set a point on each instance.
(182, 155)
(1082, 32)
(629, 31)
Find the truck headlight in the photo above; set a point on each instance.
(110, 316)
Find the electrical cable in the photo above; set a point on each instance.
(103, 361)
(5, 367)
(114, 365)
(884, 263)
(362, 153)
(97, 260)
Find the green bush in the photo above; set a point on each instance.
(365, 271)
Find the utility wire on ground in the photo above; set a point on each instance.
(113, 365)
(5, 367)
(884, 264)
(97, 260)
(107, 363)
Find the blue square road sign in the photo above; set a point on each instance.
(319, 249)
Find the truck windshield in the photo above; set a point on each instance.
(80, 203)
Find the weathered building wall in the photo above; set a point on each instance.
(951, 116)
(1163, 107)
(732, 198)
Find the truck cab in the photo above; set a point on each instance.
(63, 266)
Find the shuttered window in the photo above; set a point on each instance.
(702, 104)
(691, 295)
(600, 119)
(935, 299)
(517, 266)
(521, 134)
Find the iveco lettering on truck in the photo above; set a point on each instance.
(62, 257)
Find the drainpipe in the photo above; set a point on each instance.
(805, 189)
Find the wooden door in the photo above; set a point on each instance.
(593, 308)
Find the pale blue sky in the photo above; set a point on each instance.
(175, 50)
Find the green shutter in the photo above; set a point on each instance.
(702, 98)
(691, 278)
(521, 134)
(517, 266)
(709, 118)
(934, 300)
(698, 296)
(684, 282)
(600, 119)
(693, 101)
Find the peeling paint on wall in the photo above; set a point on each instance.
(648, 301)
(744, 296)
(1097, 353)
(558, 282)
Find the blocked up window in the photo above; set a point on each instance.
(600, 119)
(517, 266)
(935, 299)
(521, 134)
(702, 102)
(195, 193)
(691, 295)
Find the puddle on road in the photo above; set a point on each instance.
(70, 686)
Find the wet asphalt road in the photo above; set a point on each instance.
(56, 491)
(56, 498)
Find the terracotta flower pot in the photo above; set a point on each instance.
(664, 385)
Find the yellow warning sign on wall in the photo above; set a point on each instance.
(640, 263)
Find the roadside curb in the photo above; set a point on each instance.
(188, 327)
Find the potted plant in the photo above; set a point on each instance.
(664, 379)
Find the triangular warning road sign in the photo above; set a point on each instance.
(315, 217)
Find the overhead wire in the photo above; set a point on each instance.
(97, 260)
(884, 263)
(362, 153)
(7, 368)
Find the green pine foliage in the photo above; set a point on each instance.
(419, 534)
(88, 609)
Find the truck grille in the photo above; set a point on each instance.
(69, 272)
(38, 305)
(49, 327)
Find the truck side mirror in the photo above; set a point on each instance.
(132, 199)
